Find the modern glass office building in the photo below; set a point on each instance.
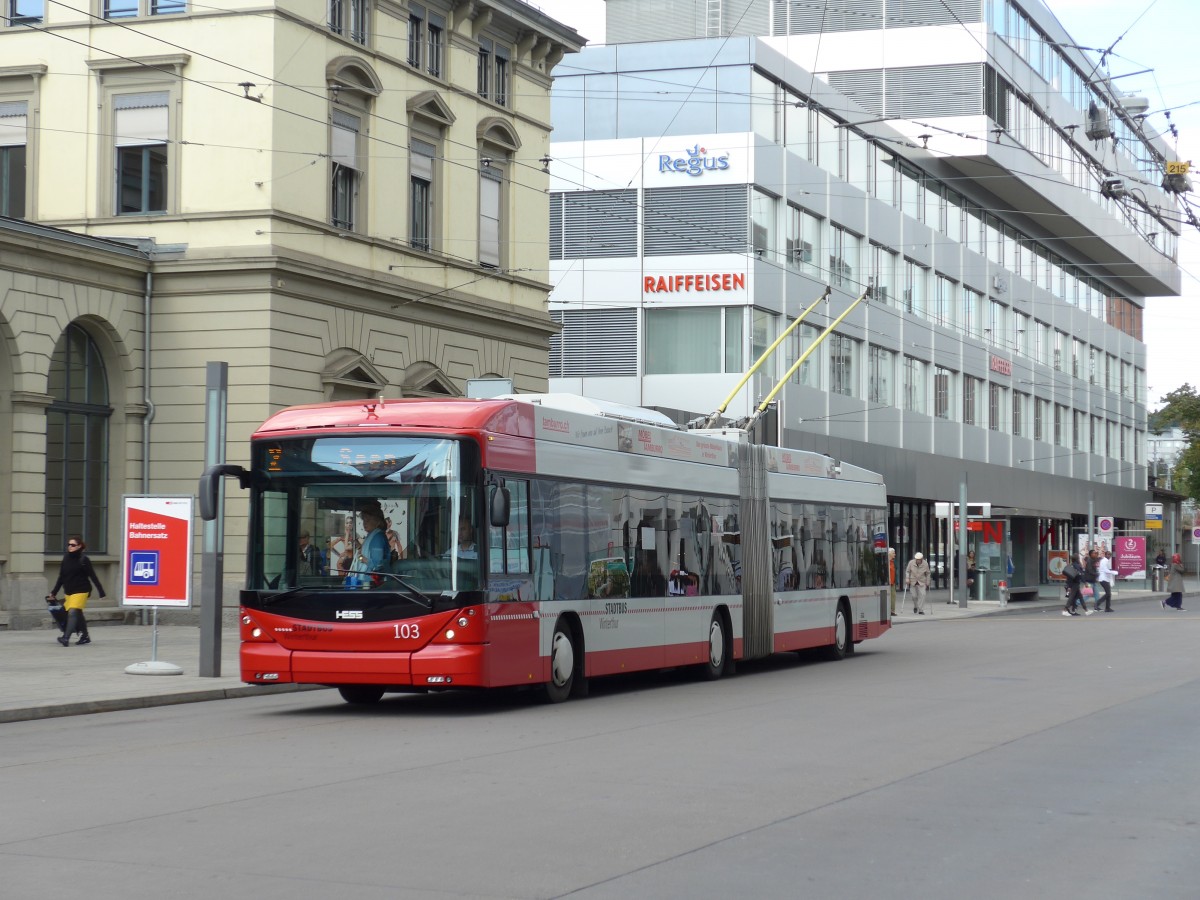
(705, 192)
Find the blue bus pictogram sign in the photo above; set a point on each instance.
(143, 567)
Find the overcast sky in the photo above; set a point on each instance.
(1148, 34)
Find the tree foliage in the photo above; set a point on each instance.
(1181, 409)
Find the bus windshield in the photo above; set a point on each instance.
(365, 513)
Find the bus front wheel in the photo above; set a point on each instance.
(562, 664)
(361, 694)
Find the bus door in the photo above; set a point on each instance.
(519, 577)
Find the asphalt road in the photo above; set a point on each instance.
(1022, 756)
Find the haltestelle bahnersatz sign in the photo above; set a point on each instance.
(158, 551)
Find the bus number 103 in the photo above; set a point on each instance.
(406, 632)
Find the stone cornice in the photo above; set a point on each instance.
(34, 72)
(31, 398)
(171, 63)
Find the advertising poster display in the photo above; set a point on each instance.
(1056, 561)
(1129, 557)
(158, 552)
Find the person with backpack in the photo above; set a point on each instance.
(1074, 573)
(1087, 586)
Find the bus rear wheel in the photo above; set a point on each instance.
(562, 664)
(718, 648)
(361, 694)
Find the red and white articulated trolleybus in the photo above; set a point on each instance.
(540, 540)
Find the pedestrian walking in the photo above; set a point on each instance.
(1087, 586)
(892, 576)
(916, 578)
(1175, 584)
(1106, 577)
(76, 577)
(1073, 572)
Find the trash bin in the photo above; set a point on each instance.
(1158, 578)
(980, 590)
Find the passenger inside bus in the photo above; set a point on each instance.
(373, 554)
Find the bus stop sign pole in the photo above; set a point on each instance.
(212, 562)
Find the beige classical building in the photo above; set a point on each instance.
(338, 200)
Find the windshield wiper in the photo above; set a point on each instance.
(417, 593)
(274, 598)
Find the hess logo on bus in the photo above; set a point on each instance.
(348, 614)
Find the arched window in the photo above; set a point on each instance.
(352, 85)
(77, 444)
(497, 143)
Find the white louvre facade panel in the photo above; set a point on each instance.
(901, 93)
(594, 343)
(912, 13)
(807, 17)
(593, 224)
(864, 87)
(688, 220)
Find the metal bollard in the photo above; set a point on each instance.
(1002, 592)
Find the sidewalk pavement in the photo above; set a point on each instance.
(40, 679)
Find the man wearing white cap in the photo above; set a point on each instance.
(916, 579)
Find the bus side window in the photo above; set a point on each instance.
(509, 547)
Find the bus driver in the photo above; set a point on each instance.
(465, 548)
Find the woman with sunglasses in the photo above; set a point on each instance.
(75, 577)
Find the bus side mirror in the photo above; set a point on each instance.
(210, 481)
(499, 503)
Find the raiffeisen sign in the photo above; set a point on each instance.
(694, 281)
(695, 162)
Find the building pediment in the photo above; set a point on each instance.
(429, 105)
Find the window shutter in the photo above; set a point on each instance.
(13, 124)
(421, 159)
(141, 119)
(343, 143)
(489, 219)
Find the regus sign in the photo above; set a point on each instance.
(695, 163)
